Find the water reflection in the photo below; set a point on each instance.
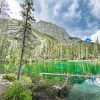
(88, 90)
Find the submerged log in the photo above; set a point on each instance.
(69, 75)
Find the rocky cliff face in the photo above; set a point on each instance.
(50, 29)
(55, 31)
(11, 29)
(7, 26)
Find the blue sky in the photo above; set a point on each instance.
(80, 18)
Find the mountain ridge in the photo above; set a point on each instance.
(55, 31)
(47, 28)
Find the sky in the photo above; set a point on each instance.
(80, 18)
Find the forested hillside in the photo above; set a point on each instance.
(42, 45)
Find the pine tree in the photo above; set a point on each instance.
(97, 47)
(27, 13)
(4, 44)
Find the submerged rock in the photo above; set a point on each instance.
(50, 93)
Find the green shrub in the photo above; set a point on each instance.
(45, 82)
(17, 91)
(10, 77)
(26, 80)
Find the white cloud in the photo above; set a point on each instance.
(77, 32)
(48, 9)
(96, 36)
(44, 13)
(72, 11)
(95, 7)
(58, 6)
(15, 9)
(91, 24)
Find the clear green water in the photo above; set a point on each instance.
(55, 67)
(88, 90)
(62, 67)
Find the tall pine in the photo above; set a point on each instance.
(28, 16)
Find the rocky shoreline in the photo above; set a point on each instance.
(3, 85)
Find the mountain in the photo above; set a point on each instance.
(55, 31)
(49, 29)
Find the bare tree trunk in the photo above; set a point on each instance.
(21, 61)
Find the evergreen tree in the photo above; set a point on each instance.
(27, 13)
(97, 48)
(4, 44)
